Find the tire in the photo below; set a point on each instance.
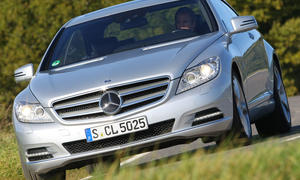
(280, 120)
(241, 132)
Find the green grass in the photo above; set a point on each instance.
(263, 161)
(10, 167)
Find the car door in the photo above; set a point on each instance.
(252, 62)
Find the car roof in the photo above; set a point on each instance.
(128, 6)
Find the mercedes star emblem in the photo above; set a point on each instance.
(110, 102)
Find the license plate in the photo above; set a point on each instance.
(116, 129)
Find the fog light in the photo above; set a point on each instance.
(207, 116)
(38, 154)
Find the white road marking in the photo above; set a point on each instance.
(293, 138)
(87, 178)
(133, 158)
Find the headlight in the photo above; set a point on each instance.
(200, 74)
(31, 113)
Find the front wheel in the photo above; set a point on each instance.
(280, 120)
(241, 131)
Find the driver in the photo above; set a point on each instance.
(185, 19)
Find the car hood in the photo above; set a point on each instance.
(161, 60)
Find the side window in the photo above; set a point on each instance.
(225, 12)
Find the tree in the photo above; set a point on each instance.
(286, 37)
(279, 21)
(26, 29)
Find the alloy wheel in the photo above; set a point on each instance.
(241, 108)
(282, 95)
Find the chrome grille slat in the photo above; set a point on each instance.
(134, 95)
(80, 100)
(95, 100)
(141, 89)
(81, 113)
(143, 99)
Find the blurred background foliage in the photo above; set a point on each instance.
(279, 22)
(27, 27)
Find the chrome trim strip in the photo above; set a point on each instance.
(259, 99)
(79, 64)
(169, 43)
(144, 89)
(77, 113)
(208, 116)
(60, 107)
(38, 154)
(143, 100)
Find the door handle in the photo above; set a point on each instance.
(251, 35)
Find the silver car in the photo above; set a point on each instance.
(146, 74)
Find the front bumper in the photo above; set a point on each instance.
(183, 108)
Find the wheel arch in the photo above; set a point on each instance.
(276, 62)
(235, 68)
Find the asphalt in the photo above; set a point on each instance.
(177, 151)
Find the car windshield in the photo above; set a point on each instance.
(128, 30)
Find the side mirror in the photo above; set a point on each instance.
(24, 73)
(243, 23)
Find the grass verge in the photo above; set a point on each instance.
(10, 167)
(263, 161)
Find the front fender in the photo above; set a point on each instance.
(270, 52)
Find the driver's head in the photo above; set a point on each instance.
(185, 19)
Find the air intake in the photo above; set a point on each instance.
(153, 131)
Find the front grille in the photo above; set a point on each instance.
(154, 130)
(135, 95)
